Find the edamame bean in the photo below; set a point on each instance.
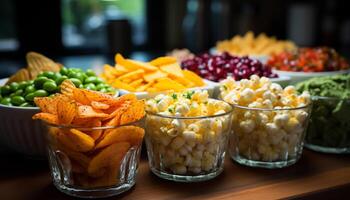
(76, 82)
(64, 71)
(29, 97)
(5, 90)
(50, 86)
(89, 72)
(17, 100)
(99, 80)
(57, 76)
(29, 89)
(39, 82)
(6, 101)
(19, 92)
(103, 90)
(90, 86)
(91, 79)
(40, 93)
(14, 86)
(23, 85)
(50, 75)
(61, 79)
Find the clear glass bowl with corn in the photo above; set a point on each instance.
(268, 122)
(187, 135)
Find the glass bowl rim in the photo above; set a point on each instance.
(272, 109)
(316, 97)
(194, 117)
(93, 128)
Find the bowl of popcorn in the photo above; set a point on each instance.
(268, 122)
(187, 135)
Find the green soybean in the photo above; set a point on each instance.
(17, 100)
(6, 101)
(76, 82)
(29, 89)
(57, 76)
(64, 71)
(29, 97)
(91, 79)
(61, 79)
(5, 90)
(103, 90)
(89, 72)
(40, 93)
(50, 75)
(39, 82)
(23, 85)
(19, 92)
(50, 86)
(14, 86)
(90, 86)
(99, 80)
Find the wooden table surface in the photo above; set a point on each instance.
(315, 176)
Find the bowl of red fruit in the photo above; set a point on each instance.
(306, 63)
(220, 66)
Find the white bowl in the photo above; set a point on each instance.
(19, 132)
(301, 76)
(210, 86)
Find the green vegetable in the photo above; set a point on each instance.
(91, 79)
(89, 72)
(38, 82)
(64, 71)
(40, 93)
(6, 101)
(14, 86)
(50, 75)
(29, 97)
(50, 86)
(26, 104)
(29, 89)
(61, 79)
(330, 122)
(5, 90)
(76, 82)
(17, 100)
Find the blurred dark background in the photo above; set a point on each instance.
(87, 33)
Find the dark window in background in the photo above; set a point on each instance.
(8, 37)
(85, 22)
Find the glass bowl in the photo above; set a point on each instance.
(187, 149)
(268, 138)
(86, 168)
(329, 129)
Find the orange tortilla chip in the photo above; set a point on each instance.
(20, 75)
(131, 134)
(47, 117)
(66, 111)
(134, 112)
(99, 105)
(82, 142)
(107, 155)
(89, 112)
(46, 104)
(67, 88)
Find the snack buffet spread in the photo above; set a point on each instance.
(94, 138)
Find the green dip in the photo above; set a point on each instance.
(330, 118)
